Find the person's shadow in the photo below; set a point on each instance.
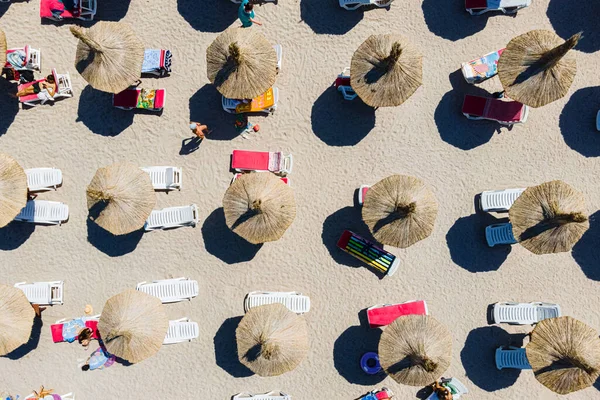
(32, 343)
(348, 349)
(9, 106)
(585, 251)
(208, 15)
(97, 113)
(327, 17)
(205, 108)
(568, 18)
(15, 234)
(450, 20)
(112, 245)
(578, 122)
(226, 354)
(190, 145)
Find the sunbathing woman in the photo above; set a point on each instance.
(49, 85)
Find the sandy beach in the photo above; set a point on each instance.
(337, 146)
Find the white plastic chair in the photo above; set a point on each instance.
(294, 301)
(172, 217)
(499, 200)
(506, 6)
(524, 313)
(44, 212)
(43, 179)
(181, 330)
(170, 290)
(273, 395)
(279, 52)
(499, 234)
(165, 178)
(513, 357)
(43, 293)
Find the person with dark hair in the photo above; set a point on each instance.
(99, 359)
(246, 14)
(49, 86)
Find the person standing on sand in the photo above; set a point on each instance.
(199, 130)
(246, 14)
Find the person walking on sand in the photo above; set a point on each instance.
(199, 130)
(246, 14)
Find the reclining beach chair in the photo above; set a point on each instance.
(43, 179)
(503, 112)
(165, 178)
(482, 68)
(170, 290)
(524, 313)
(172, 217)
(265, 103)
(355, 4)
(279, 52)
(43, 293)
(157, 62)
(181, 330)
(499, 200)
(383, 261)
(44, 212)
(55, 10)
(294, 301)
(67, 396)
(384, 314)
(276, 162)
(362, 191)
(342, 83)
(378, 394)
(24, 59)
(144, 99)
(90, 322)
(513, 357)
(499, 234)
(478, 7)
(457, 389)
(64, 89)
(284, 179)
(274, 395)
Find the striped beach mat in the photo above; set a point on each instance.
(383, 261)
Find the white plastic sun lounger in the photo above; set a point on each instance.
(524, 313)
(274, 395)
(355, 4)
(456, 386)
(67, 396)
(499, 234)
(499, 200)
(165, 178)
(279, 52)
(172, 217)
(478, 7)
(43, 179)
(181, 330)
(295, 302)
(513, 357)
(44, 212)
(33, 58)
(170, 290)
(43, 293)
(362, 191)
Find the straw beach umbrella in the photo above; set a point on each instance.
(125, 196)
(549, 218)
(386, 70)
(16, 319)
(536, 68)
(400, 210)
(415, 350)
(564, 354)
(133, 325)
(109, 55)
(271, 340)
(13, 189)
(3, 48)
(241, 63)
(259, 207)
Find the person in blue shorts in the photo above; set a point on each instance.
(246, 14)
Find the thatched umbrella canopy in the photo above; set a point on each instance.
(16, 319)
(564, 354)
(271, 340)
(386, 70)
(400, 210)
(133, 325)
(259, 207)
(549, 218)
(109, 55)
(415, 350)
(120, 198)
(241, 63)
(536, 68)
(3, 48)
(13, 189)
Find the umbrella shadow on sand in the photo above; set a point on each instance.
(327, 17)
(15, 234)
(112, 245)
(9, 106)
(339, 122)
(32, 343)
(205, 107)
(98, 114)
(578, 122)
(349, 347)
(568, 18)
(226, 354)
(208, 16)
(585, 251)
(112, 10)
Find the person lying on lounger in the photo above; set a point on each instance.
(42, 89)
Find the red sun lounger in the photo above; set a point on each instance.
(342, 83)
(275, 162)
(56, 10)
(384, 314)
(504, 112)
(57, 328)
(367, 252)
(478, 7)
(153, 100)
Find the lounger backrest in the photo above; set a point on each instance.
(181, 331)
(545, 312)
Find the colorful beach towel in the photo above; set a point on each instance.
(262, 102)
(146, 98)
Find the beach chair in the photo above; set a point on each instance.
(383, 261)
(355, 4)
(294, 301)
(513, 357)
(499, 200)
(279, 52)
(165, 178)
(362, 191)
(55, 10)
(478, 7)
(24, 59)
(90, 322)
(503, 112)
(43, 293)
(378, 394)
(157, 62)
(265, 103)
(67, 396)
(482, 68)
(457, 389)
(43, 179)
(342, 83)
(276, 162)
(170, 290)
(273, 395)
(64, 89)
(44, 212)
(181, 330)
(524, 313)
(172, 217)
(499, 234)
(143, 99)
(384, 314)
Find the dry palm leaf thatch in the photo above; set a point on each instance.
(109, 55)
(549, 218)
(564, 354)
(400, 210)
(415, 350)
(241, 63)
(536, 68)
(386, 70)
(133, 325)
(13, 189)
(271, 340)
(259, 207)
(3, 48)
(120, 198)
(16, 319)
